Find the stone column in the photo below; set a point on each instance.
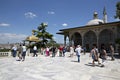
(97, 41)
(82, 40)
(97, 35)
(64, 40)
(70, 41)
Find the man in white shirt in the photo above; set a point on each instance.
(71, 51)
(14, 51)
(35, 51)
(78, 52)
(23, 52)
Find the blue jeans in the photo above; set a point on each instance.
(35, 53)
(78, 58)
(14, 53)
(23, 55)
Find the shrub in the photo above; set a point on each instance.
(4, 50)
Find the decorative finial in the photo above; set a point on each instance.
(95, 15)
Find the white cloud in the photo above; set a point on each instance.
(117, 19)
(12, 38)
(51, 12)
(4, 24)
(54, 38)
(64, 24)
(30, 15)
(59, 38)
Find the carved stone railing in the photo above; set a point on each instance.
(2, 54)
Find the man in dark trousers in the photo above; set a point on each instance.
(35, 51)
(53, 51)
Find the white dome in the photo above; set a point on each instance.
(95, 22)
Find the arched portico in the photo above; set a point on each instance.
(76, 39)
(106, 37)
(87, 36)
(90, 39)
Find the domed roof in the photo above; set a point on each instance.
(95, 22)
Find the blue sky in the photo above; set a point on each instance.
(19, 17)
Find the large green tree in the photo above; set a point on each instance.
(53, 43)
(43, 34)
(118, 17)
(117, 10)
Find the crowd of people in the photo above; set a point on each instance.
(96, 55)
(61, 52)
(21, 50)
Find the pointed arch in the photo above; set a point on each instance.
(90, 39)
(106, 37)
(76, 39)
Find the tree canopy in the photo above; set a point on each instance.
(118, 16)
(42, 34)
(117, 10)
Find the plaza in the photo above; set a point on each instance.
(58, 68)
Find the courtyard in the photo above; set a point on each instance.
(58, 68)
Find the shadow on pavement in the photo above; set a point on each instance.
(74, 61)
(98, 65)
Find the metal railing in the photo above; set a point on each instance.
(2, 54)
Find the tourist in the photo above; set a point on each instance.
(23, 52)
(71, 51)
(78, 52)
(57, 51)
(20, 52)
(14, 51)
(103, 54)
(53, 49)
(47, 51)
(60, 51)
(35, 51)
(64, 51)
(84, 50)
(112, 52)
(95, 56)
(42, 51)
